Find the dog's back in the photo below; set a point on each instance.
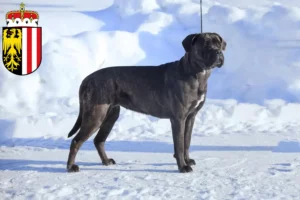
(124, 85)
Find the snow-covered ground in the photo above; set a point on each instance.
(242, 162)
(246, 140)
(235, 166)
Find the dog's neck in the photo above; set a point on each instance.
(191, 66)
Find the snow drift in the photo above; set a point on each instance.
(216, 117)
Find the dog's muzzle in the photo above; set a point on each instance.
(220, 59)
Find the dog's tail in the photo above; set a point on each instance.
(77, 123)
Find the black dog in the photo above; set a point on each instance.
(173, 90)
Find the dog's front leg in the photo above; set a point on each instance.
(178, 127)
(189, 123)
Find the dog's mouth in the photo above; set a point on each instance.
(216, 59)
(219, 63)
(210, 67)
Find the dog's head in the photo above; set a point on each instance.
(206, 48)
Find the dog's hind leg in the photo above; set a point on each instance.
(91, 121)
(103, 133)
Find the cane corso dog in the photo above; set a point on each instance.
(175, 90)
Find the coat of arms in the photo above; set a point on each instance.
(22, 41)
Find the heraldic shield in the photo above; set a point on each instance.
(22, 49)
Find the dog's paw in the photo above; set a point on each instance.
(186, 169)
(190, 162)
(109, 162)
(73, 168)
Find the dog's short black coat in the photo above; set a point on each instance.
(175, 90)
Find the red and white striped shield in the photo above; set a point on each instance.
(22, 49)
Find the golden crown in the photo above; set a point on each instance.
(15, 16)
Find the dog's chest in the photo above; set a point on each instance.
(202, 78)
(202, 98)
(200, 89)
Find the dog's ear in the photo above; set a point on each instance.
(223, 43)
(188, 42)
